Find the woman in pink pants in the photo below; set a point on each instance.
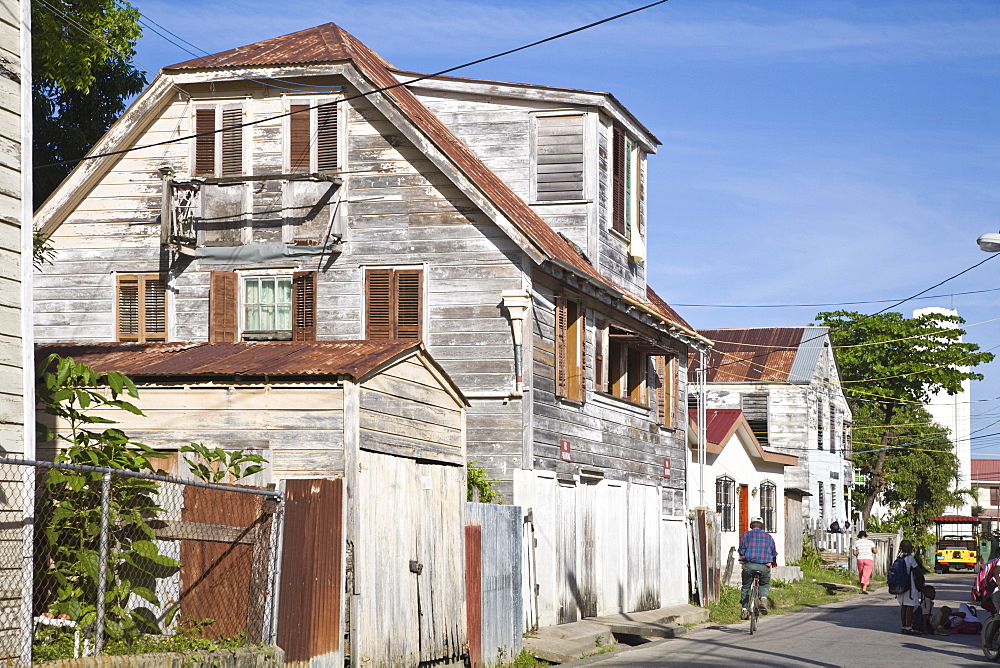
(865, 551)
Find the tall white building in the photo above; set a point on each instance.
(953, 412)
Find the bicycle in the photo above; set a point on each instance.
(754, 601)
(991, 637)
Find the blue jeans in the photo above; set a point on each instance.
(765, 581)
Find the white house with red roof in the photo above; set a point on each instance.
(295, 189)
(985, 474)
(742, 479)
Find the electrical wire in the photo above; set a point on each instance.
(359, 95)
(860, 303)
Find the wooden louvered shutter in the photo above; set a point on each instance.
(326, 139)
(408, 286)
(154, 308)
(561, 325)
(618, 181)
(223, 307)
(232, 141)
(204, 144)
(629, 205)
(600, 343)
(128, 308)
(304, 306)
(379, 312)
(665, 368)
(298, 138)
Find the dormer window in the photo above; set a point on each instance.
(627, 192)
(559, 158)
(218, 153)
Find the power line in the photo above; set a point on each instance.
(875, 301)
(359, 95)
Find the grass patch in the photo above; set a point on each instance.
(54, 643)
(789, 596)
(526, 660)
(602, 647)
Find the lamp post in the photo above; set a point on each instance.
(989, 242)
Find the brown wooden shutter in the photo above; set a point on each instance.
(660, 374)
(304, 306)
(223, 307)
(600, 342)
(154, 308)
(561, 325)
(408, 285)
(298, 138)
(128, 308)
(379, 312)
(326, 138)
(204, 144)
(618, 182)
(232, 141)
(995, 496)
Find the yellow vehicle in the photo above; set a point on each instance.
(955, 552)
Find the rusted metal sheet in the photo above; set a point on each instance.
(309, 609)
(500, 598)
(215, 576)
(761, 353)
(474, 592)
(248, 358)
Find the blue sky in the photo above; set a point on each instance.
(819, 151)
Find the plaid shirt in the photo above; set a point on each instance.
(757, 546)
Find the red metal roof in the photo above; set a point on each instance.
(757, 354)
(251, 358)
(663, 307)
(722, 423)
(986, 470)
(330, 42)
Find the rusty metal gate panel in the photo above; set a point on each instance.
(309, 609)
(474, 593)
(214, 571)
(501, 598)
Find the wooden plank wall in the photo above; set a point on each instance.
(409, 512)
(299, 429)
(405, 412)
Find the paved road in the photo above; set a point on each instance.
(861, 632)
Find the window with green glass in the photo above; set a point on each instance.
(267, 308)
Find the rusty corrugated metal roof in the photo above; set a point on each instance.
(249, 358)
(330, 43)
(764, 354)
(663, 307)
(322, 44)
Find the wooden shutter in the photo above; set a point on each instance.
(232, 141)
(618, 181)
(660, 374)
(559, 157)
(561, 325)
(304, 306)
(298, 138)
(223, 307)
(326, 138)
(600, 343)
(204, 144)
(408, 287)
(128, 308)
(379, 312)
(629, 213)
(995, 496)
(154, 308)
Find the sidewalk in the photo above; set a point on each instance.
(570, 642)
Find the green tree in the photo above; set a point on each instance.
(914, 358)
(82, 75)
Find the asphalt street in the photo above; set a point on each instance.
(862, 631)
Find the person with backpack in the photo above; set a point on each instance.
(906, 580)
(986, 592)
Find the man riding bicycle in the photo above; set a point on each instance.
(757, 554)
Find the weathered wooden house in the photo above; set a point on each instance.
(302, 192)
(367, 440)
(786, 381)
(16, 377)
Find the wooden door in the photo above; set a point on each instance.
(744, 509)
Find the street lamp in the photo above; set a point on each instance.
(989, 242)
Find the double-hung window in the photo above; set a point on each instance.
(768, 493)
(262, 307)
(725, 502)
(141, 307)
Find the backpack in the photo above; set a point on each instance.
(984, 586)
(898, 578)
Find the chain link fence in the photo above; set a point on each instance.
(92, 556)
